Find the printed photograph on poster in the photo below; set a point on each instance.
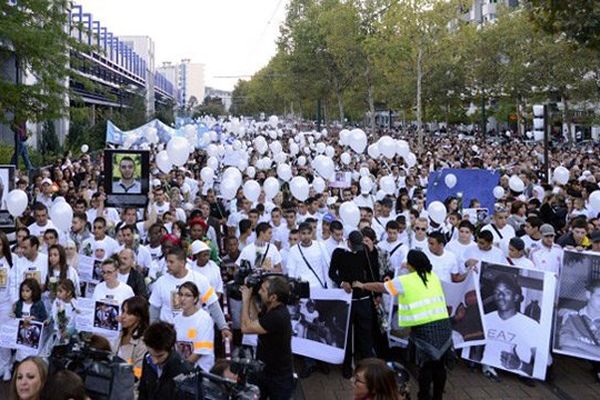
(321, 336)
(517, 305)
(466, 312)
(397, 336)
(577, 320)
(7, 183)
(476, 216)
(29, 334)
(126, 180)
(185, 349)
(106, 316)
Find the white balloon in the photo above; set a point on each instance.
(16, 202)
(237, 145)
(318, 184)
(234, 174)
(364, 171)
(321, 147)
(299, 188)
(251, 172)
(178, 150)
(61, 215)
(284, 172)
(595, 201)
(330, 151)
(260, 144)
(84, 148)
(294, 149)
(221, 150)
(345, 157)
(212, 150)
(213, 136)
(273, 134)
(251, 190)
(411, 160)
(163, 163)
(388, 184)
(324, 166)
(152, 134)
(561, 175)
(366, 185)
(516, 184)
(273, 121)
(498, 192)
(207, 174)
(266, 163)
(271, 187)
(280, 158)
(402, 148)
(228, 189)
(373, 151)
(275, 147)
(437, 212)
(301, 161)
(387, 146)
(344, 137)
(307, 150)
(349, 213)
(358, 140)
(450, 180)
(212, 162)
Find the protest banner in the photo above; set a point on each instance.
(319, 325)
(466, 312)
(576, 322)
(98, 317)
(517, 305)
(20, 334)
(127, 177)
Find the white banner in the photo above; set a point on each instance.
(23, 335)
(517, 306)
(319, 325)
(576, 323)
(98, 317)
(465, 309)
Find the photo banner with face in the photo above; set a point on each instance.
(577, 320)
(126, 177)
(465, 308)
(98, 317)
(518, 305)
(319, 325)
(26, 336)
(7, 183)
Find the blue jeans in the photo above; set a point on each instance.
(21, 150)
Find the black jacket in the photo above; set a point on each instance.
(152, 387)
(137, 283)
(347, 266)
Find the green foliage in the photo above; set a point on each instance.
(49, 145)
(211, 106)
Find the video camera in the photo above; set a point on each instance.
(253, 278)
(201, 385)
(105, 376)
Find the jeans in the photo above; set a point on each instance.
(361, 318)
(21, 150)
(276, 387)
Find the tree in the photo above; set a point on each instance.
(210, 106)
(33, 35)
(579, 20)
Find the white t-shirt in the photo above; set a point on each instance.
(422, 245)
(445, 265)
(195, 335)
(143, 258)
(73, 276)
(399, 255)
(331, 245)
(531, 244)
(507, 232)
(115, 295)
(164, 293)
(250, 253)
(212, 272)
(459, 251)
(316, 255)
(37, 269)
(507, 335)
(522, 262)
(110, 246)
(493, 256)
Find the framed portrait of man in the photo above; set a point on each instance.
(126, 177)
(7, 183)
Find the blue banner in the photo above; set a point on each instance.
(156, 131)
(472, 183)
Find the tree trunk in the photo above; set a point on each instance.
(565, 118)
(370, 97)
(520, 125)
(340, 100)
(419, 110)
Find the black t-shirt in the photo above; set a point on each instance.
(275, 347)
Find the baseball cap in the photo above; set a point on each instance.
(198, 246)
(329, 218)
(46, 180)
(547, 230)
(517, 243)
(355, 241)
(595, 236)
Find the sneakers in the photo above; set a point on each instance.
(490, 373)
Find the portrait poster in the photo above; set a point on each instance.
(577, 317)
(517, 315)
(126, 177)
(319, 325)
(476, 216)
(19, 334)
(7, 183)
(99, 317)
(397, 336)
(466, 312)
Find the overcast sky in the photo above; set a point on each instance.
(231, 37)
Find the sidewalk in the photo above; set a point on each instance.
(572, 380)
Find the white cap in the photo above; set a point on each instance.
(199, 246)
(46, 180)
(331, 200)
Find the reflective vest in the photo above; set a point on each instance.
(420, 304)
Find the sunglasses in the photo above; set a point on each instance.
(420, 229)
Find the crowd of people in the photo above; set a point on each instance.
(161, 273)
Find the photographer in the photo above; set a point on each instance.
(274, 330)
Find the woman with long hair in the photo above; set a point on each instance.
(29, 379)
(422, 308)
(374, 380)
(134, 320)
(59, 270)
